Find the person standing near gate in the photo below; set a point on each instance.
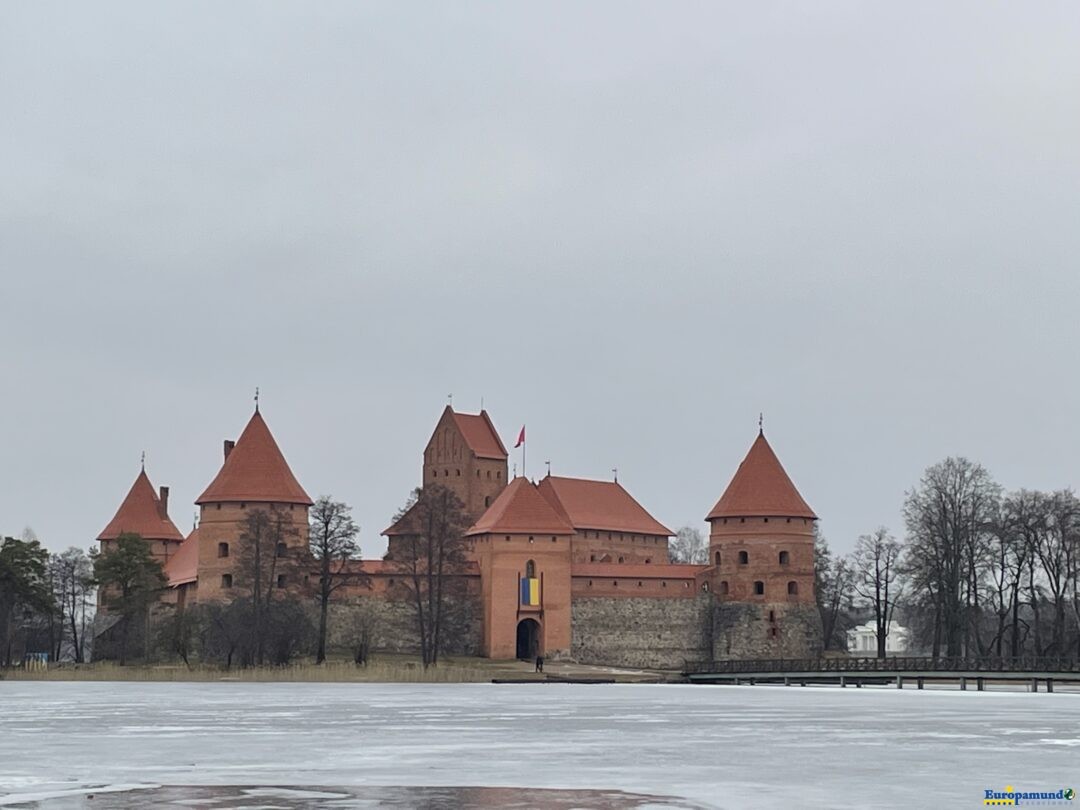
(539, 663)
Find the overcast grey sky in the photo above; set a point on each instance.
(630, 226)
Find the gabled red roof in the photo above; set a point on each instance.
(183, 566)
(587, 504)
(761, 488)
(141, 513)
(479, 434)
(256, 471)
(521, 509)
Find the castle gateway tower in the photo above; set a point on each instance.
(761, 549)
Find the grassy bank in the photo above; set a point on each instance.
(385, 671)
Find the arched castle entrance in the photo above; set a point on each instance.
(528, 639)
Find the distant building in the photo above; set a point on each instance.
(862, 640)
(570, 567)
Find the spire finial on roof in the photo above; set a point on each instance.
(761, 424)
(548, 468)
(515, 469)
(256, 399)
(615, 472)
(142, 461)
(450, 401)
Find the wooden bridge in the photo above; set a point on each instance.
(900, 670)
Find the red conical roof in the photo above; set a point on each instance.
(255, 470)
(521, 509)
(761, 488)
(141, 514)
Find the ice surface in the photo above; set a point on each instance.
(722, 746)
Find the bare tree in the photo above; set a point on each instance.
(950, 518)
(73, 576)
(267, 558)
(333, 542)
(689, 546)
(876, 579)
(833, 589)
(1011, 544)
(430, 554)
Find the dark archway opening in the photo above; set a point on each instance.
(528, 639)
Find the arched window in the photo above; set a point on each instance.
(530, 569)
(223, 549)
(793, 588)
(759, 588)
(784, 558)
(487, 500)
(282, 549)
(717, 556)
(744, 558)
(723, 588)
(281, 580)
(226, 580)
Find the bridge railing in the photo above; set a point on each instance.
(891, 664)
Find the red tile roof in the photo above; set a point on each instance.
(521, 509)
(761, 488)
(403, 525)
(141, 514)
(255, 471)
(183, 566)
(480, 434)
(587, 504)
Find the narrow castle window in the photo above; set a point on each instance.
(620, 559)
(717, 556)
(281, 580)
(498, 473)
(648, 560)
(530, 569)
(487, 500)
(477, 473)
(766, 520)
(243, 506)
(592, 558)
(723, 588)
(663, 583)
(759, 588)
(489, 473)
(459, 473)
(226, 580)
(222, 550)
(784, 558)
(705, 587)
(744, 558)
(639, 583)
(434, 473)
(615, 583)
(772, 615)
(793, 588)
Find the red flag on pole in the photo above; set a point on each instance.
(521, 437)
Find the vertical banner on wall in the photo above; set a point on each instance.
(530, 591)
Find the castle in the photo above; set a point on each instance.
(566, 567)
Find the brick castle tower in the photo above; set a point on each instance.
(761, 547)
(254, 475)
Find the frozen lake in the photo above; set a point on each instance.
(725, 746)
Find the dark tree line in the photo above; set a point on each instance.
(980, 572)
(46, 601)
